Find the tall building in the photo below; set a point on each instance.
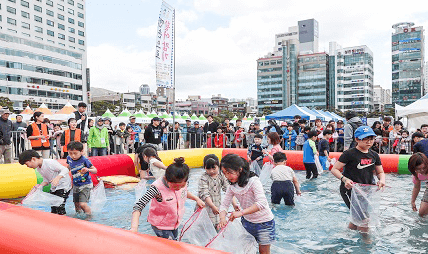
(144, 89)
(354, 76)
(43, 52)
(407, 63)
(379, 95)
(426, 78)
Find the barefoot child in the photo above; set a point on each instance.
(156, 166)
(284, 181)
(80, 167)
(52, 172)
(324, 148)
(418, 166)
(257, 218)
(168, 195)
(210, 186)
(359, 164)
(255, 151)
(309, 152)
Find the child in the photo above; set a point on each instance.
(72, 134)
(290, 138)
(57, 139)
(168, 195)
(257, 218)
(129, 141)
(156, 166)
(418, 166)
(80, 167)
(324, 148)
(52, 172)
(274, 140)
(403, 146)
(309, 152)
(238, 138)
(255, 151)
(209, 140)
(210, 186)
(283, 179)
(359, 164)
(120, 138)
(220, 140)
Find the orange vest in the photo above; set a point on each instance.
(77, 135)
(36, 132)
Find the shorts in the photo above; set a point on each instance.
(167, 234)
(282, 190)
(263, 232)
(83, 195)
(425, 197)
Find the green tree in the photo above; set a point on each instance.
(266, 111)
(6, 102)
(99, 107)
(30, 103)
(223, 114)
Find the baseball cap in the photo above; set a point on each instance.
(5, 110)
(363, 132)
(156, 119)
(340, 121)
(132, 117)
(195, 122)
(208, 132)
(188, 120)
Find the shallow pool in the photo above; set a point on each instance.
(318, 222)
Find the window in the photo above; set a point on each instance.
(81, 33)
(81, 42)
(25, 3)
(39, 38)
(71, 11)
(28, 35)
(38, 29)
(49, 12)
(11, 10)
(37, 8)
(61, 36)
(61, 26)
(71, 39)
(51, 42)
(71, 2)
(11, 21)
(49, 2)
(80, 15)
(49, 22)
(25, 25)
(51, 33)
(71, 30)
(25, 14)
(11, 30)
(60, 7)
(38, 19)
(13, 1)
(80, 6)
(81, 24)
(61, 17)
(62, 44)
(70, 20)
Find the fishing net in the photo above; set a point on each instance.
(234, 239)
(365, 199)
(98, 197)
(318, 164)
(266, 172)
(140, 189)
(198, 230)
(254, 166)
(36, 197)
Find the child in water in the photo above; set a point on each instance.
(168, 195)
(284, 181)
(210, 186)
(418, 166)
(257, 218)
(156, 167)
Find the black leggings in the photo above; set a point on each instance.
(346, 195)
(60, 209)
(311, 169)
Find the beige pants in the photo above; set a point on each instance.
(44, 153)
(6, 153)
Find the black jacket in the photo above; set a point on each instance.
(153, 134)
(6, 131)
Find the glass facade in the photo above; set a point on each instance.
(269, 83)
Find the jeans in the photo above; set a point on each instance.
(6, 153)
(167, 234)
(98, 151)
(323, 161)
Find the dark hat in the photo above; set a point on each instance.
(156, 119)
(340, 121)
(195, 122)
(132, 117)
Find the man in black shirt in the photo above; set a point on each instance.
(210, 125)
(358, 165)
(153, 133)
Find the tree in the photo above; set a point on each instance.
(223, 114)
(6, 102)
(99, 107)
(29, 103)
(266, 111)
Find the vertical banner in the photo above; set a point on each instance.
(165, 47)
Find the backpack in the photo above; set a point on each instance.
(300, 140)
(354, 127)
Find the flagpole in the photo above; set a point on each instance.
(173, 90)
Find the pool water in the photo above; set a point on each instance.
(317, 224)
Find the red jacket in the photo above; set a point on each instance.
(220, 140)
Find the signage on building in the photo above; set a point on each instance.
(354, 51)
(271, 102)
(285, 35)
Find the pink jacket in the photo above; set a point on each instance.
(167, 215)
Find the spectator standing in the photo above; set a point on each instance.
(334, 136)
(395, 135)
(184, 133)
(424, 130)
(290, 138)
(296, 124)
(403, 146)
(421, 143)
(386, 129)
(174, 136)
(353, 122)
(120, 138)
(38, 135)
(82, 121)
(107, 124)
(153, 133)
(70, 135)
(6, 128)
(98, 141)
(196, 136)
(211, 125)
(273, 127)
(340, 134)
(18, 129)
(137, 129)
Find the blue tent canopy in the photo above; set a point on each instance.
(290, 112)
(313, 112)
(338, 117)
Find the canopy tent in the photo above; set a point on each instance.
(66, 110)
(234, 118)
(326, 117)
(313, 112)
(125, 113)
(108, 113)
(416, 113)
(336, 115)
(44, 109)
(194, 117)
(290, 112)
(139, 114)
(153, 114)
(202, 117)
(164, 115)
(27, 111)
(185, 116)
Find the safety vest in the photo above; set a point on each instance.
(36, 132)
(77, 135)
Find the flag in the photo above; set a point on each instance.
(165, 47)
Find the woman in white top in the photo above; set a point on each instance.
(156, 167)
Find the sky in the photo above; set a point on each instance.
(219, 41)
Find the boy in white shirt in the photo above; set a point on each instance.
(284, 181)
(53, 173)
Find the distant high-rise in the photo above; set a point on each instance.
(144, 89)
(407, 63)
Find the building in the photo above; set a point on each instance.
(129, 101)
(200, 107)
(43, 52)
(354, 76)
(379, 95)
(144, 89)
(220, 102)
(426, 78)
(238, 107)
(407, 63)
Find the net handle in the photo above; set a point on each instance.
(197, 213)
(219, 233)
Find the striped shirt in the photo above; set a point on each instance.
(250, 194)
(153, 192)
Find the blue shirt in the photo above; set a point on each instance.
(421, 146)
(136, 128)
(75, 167)
(308, 153)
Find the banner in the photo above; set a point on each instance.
(165, 47)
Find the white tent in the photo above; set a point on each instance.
(416, 113)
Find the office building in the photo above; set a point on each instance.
(407, 63)
(43, 52)
(144, 89)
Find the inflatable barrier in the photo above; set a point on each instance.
(17, 180)
(31, 231)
